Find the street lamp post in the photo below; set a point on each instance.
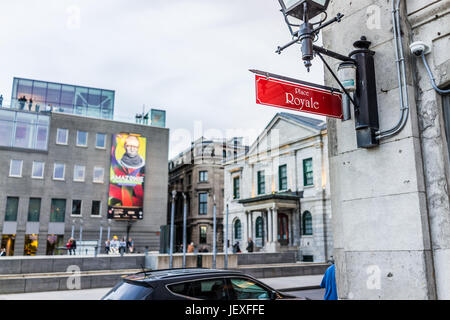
(172, 218)
(184, 231)
(214, 233)
(226, 238)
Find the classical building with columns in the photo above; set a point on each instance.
(278, 193)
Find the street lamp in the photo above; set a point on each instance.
(298, 8)
(172, 218)
(357, 68)
(305, 10)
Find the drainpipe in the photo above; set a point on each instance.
(401, 73)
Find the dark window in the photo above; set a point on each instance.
(128, 291)
(34, 209)
(211, 289)
(236, 188)
(261, 182)
(307, 223)
(12, 206)
(237, 230)
(308, 178)
(76, 207)
(96, 208)
(202, 203)
(308, 258)
(203, 175)
(203, 230)
(282, 175)
(58, 210)
(243, 289)
(259, 227)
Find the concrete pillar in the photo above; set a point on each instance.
(275, 225)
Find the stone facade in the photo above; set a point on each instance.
(390, 203)
(280, 209)
(145, 232)
(198, 172)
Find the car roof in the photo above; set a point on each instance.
(166, 274)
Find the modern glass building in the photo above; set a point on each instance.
(35, 95)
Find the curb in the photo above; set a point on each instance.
(300, 288)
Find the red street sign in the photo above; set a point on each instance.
(304, 98)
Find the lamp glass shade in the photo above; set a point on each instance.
(295, 8)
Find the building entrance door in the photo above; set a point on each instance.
(283, 229)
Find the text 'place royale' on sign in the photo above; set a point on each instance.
(303, 98)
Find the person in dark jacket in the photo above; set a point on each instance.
(250, 245)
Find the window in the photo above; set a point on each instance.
(58, 210)
(261, 182)
(236, 188)
(12, 206)
(76, 207)
(23, 130)
(79, 173)
(203, 176)
(259, 227)
(129, 291)
(62, 136)
(211, 289)
(37, 171)
(203, 230)
(59, 171)
(202, 203)
(243, 289)
(308, 178)
(34, 209)
(99, 173)
(237, 230)
(100, 141)
(282, 175)
(307, 223)
(308, 258)
(82, 137)
(96, 205)
(15, 168)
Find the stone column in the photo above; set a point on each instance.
(275, 225)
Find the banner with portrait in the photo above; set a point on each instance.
(127, 175)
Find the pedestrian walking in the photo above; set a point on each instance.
(114, 245)
(74, 246)
(107, 246)
(191, 248)
(69, 246)
(130, 245)
(250, 245)
(3, 252)
(329, 283)
(236, 248)
(122, 246)
(30, 104)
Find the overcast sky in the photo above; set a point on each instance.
(188, 57)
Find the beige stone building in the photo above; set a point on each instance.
(197, 173)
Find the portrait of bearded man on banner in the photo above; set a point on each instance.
(126, 188)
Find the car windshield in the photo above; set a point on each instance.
(128, 291)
